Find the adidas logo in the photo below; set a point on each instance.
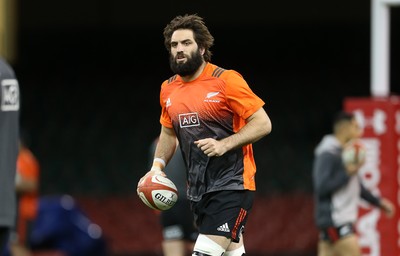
(168, 103)
(224, 228)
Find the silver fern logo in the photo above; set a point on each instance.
(211, 95)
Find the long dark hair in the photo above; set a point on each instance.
(202, 35)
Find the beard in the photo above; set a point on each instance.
(189, 67)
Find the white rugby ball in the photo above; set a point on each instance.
(158, 192)
(354, 152)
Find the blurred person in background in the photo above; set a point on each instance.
(178, 226)
(27, 188)
(216, 117)
(338, 189)
(9, 136)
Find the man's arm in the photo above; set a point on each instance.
(165, 149)
(326, 177)
(24, 184)
(257, 126)
(384, 204)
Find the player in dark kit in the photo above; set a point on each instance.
(9, 141)
(216, 117)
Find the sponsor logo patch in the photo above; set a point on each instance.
(188, 120)
(9, 95)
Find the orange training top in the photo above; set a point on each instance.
(28, 168)
(215, 105)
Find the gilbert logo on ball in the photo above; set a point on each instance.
(354, 152)
(158, 192)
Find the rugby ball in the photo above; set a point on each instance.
(158, 192)
(354, 152)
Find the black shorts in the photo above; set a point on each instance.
(178, 222)
(223, 213)
(332, 234)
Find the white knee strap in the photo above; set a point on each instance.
(237, 252)
(207, 246)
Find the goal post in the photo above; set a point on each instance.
(380, 46)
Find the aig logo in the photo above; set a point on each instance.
(9, 95)
(188, 120)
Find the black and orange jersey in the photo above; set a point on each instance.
(215, 105)
(28, 168)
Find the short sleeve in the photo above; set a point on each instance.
(241, 98)
(165, 119)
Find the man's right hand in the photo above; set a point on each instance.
(155, 170)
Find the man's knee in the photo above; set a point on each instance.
(347, 246)
(236, 252)
(204, 246)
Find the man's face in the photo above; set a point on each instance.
(185, 57)
(355, 131)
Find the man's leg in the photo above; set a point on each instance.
(210, 245)
(174, 247)
(236, 249)
(233, 249)
(325, 248)
(347, 246)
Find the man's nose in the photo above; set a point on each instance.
(179, 48)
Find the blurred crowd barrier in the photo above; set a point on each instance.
(279, 225)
